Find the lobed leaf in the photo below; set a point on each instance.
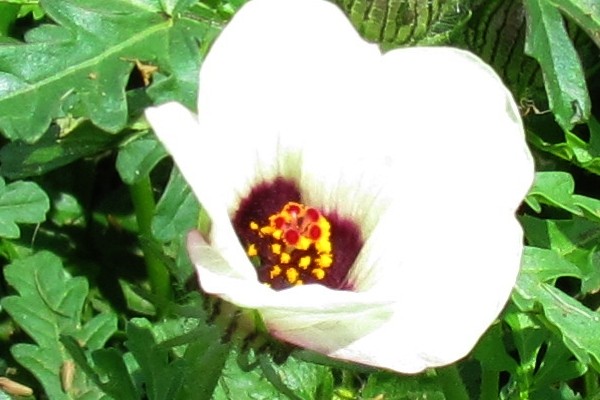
(575, 323)
(48, 305)
(21, 202)
(80, 66)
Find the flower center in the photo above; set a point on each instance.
(291, 243)
(294, 245)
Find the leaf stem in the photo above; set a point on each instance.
(592, 385)
(452, 384)
(489, 384)
(144, 205)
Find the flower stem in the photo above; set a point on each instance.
(592, 384)
(489, 384)
(144, 205)
(452, 384)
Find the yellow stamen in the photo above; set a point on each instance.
(304, 262)
(253, 226)
(318, 273)
(285, 258)
(304, 243)
(252, 250)
(325, 260)
(276, 248)
(292, 275)
(275, 272)
(323, 245)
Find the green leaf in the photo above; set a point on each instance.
(8, 14)
(491, 353)
(575, 150)
(177, 210)
(575, 323)
(529, 339)
(21, 202)
(153, 361)
(165, 380)
(572, 240)
(20, 160)
(549, 43)
(49, 304)
(396, 23)
(194, 372)
(585, 12)
(137, 159)
(554, 188)
(546, 265)
(114, 378)
(118, 381)
(100, 44)
(385, 385)
(558, 365)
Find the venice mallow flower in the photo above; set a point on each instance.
(362, 203)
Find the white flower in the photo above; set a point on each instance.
(414, 160)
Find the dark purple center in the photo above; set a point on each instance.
(266, 201)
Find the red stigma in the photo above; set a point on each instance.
(291, 237)
(314, 232)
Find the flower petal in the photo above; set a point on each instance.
(449, 249)
(280, 78)
(303, 315)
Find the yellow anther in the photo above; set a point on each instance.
(299, 282)
(323, 245)
(304, 262)
(275, 272)
(253, 226)
(292, 275)
(276, 248)
(276, 233)
(318, 273)
(252, 250)
(285, 258)
(325, 260)
(304, 243)
(266, 230)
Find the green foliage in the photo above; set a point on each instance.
(100, 44)
(574, 322)
(294, 379)
(396, 23)
(50, 304)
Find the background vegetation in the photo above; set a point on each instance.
(98, 298)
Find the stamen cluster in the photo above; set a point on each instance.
(292, 248)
